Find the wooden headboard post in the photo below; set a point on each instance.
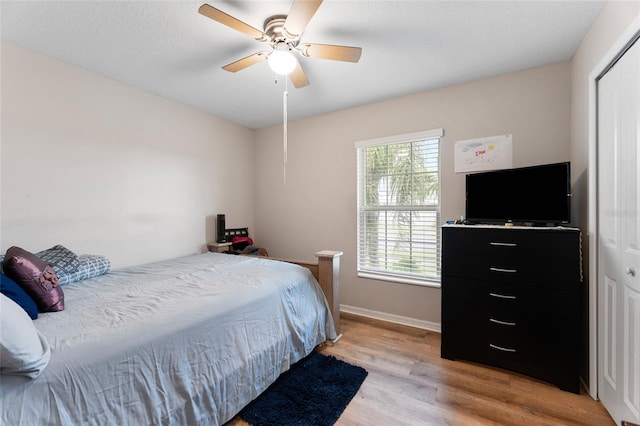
(328, 278)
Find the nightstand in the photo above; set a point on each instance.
(218, 247)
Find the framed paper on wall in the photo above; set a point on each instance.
(491, 153)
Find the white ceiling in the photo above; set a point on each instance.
(169, 49)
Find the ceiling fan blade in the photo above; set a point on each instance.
(298, 77)
(299, 16)
(231, 22)
(243, 63)
(330, 51)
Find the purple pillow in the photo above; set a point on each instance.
(36, 277)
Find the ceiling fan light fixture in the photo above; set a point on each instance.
(282, 61)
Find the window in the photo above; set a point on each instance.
(399, 208)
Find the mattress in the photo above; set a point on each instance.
(188, 341)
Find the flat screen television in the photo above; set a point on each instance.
(536, 195)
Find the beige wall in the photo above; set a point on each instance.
(316, 208)
(108, 169)
(615, 17)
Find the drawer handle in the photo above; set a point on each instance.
(495, 243)
(500, 348)
(511, 271)
(502, 296)
(502, 322)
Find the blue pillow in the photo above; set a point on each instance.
(13, 291)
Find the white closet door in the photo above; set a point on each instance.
(619, 238)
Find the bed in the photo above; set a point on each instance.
(188, 341)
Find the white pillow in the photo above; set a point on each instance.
(23, 350)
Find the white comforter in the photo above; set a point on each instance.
(182, 342)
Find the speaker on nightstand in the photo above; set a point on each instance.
(220, 228)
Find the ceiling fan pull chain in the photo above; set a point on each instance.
(284, 117)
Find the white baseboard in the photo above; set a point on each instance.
(397, 319)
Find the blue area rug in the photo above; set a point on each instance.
(314, 392)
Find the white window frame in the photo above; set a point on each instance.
(387, 275)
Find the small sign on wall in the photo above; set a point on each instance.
(491, 153)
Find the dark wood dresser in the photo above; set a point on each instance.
(511, 299)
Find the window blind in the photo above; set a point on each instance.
(399, 208)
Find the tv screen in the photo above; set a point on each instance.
(540, 195)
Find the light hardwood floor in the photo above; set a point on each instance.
(409, 384)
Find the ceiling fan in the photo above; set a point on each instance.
(282, 33)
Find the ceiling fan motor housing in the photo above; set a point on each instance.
(274, 28)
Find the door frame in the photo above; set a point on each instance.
(613, 54)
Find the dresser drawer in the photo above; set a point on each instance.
(552, 359)
(461, 294)
(471, 301)
(520, 351)
(523, 270)
(515, 330)
(505, 242)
